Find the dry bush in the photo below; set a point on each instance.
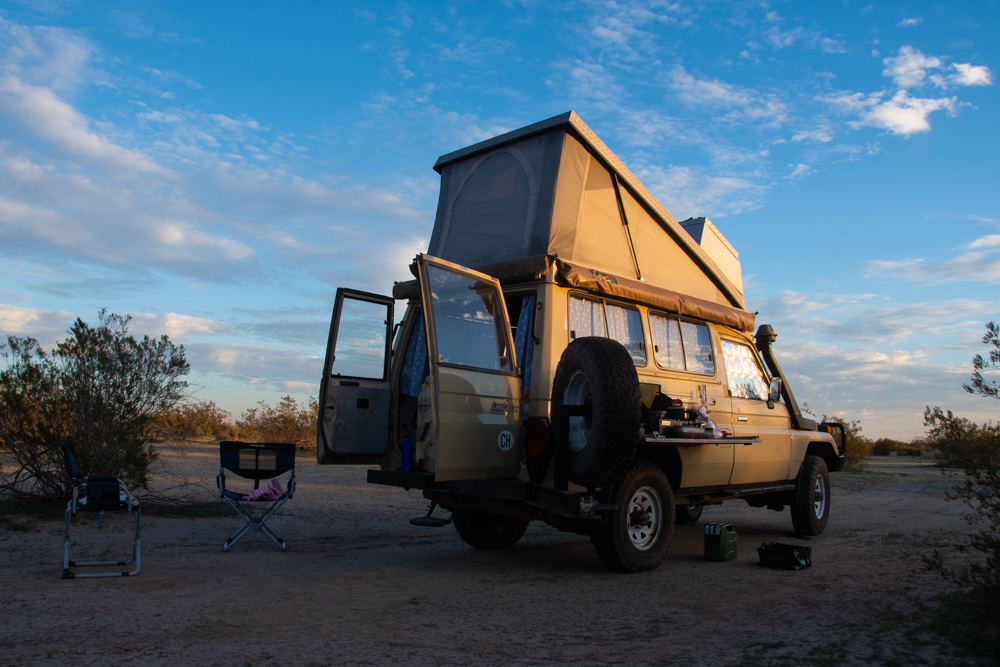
(887, 446)
(975, 448)
(101, 387)
(859, 448)
(195, 420)
(288, 422)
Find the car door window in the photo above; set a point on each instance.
(746, 377)
(465, 323)
(361, 341)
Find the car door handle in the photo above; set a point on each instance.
(741, 419)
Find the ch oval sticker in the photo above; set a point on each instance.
(505, 441)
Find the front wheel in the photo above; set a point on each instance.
(811, 508)
(489, 531)
(638, 532)
(688, 513)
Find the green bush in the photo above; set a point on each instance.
(101, 388)
(976, 449)
(887, 446)
(194, 420)
(859, 448)
(288, 422)
(957, 442)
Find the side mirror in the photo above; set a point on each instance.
(773, 392)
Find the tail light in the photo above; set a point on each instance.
(535, 437)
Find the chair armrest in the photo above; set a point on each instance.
(221, 481)
(291, 484)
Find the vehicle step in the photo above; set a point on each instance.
(430, 521)
(760, 489)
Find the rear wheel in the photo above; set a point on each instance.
(638, 533)
(599, 373)
(489, 531)
(811, 508)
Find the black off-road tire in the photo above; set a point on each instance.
(811, 508)
(638, 533)
(599, 372)
(688, 513)
(489, 531)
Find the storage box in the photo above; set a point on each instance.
(784, 556)
(720, 542)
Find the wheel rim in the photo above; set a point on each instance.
(578, 392)
(819, 497)
(645, 513)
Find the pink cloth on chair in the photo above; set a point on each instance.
(272, 492)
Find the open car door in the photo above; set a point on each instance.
(354, 394)
(476, 402)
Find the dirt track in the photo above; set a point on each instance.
(360, 585)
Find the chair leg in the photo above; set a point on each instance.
(252, 523)
(67, 563)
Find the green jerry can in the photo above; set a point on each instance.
(720, 542)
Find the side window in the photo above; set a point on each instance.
(697, 348)
(746, 378)
(625, 326)
(586, 318)
(682, 346)
(667, 349)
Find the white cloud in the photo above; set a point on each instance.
(979, 261)
(972, 75)
(799, 171)
(900, 114)
(909, 68)
(690, 192)
(819, 135)
(909, 23)
(34, 322)
(906, 115)
(713, 95)
(812, 39)
(175, 325)
(40, 112)
(988, 241)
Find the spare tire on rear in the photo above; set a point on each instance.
(599, 372)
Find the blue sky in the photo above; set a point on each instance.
(218, 169)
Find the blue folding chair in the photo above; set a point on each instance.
(98, 494)
(257, 461)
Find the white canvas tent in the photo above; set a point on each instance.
(554, 188)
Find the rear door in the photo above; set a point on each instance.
(354, 394)
(476, 405)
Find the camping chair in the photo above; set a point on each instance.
(99, 494)
(257, 461)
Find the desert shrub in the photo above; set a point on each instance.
(859, 448)
(288, 422)
(976, 448)
(194, 420)
(101, 387)
(957, 442)
(887, 446)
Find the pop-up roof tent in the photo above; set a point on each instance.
(554, 188)
(553, 194)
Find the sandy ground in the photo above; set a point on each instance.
(360, 585)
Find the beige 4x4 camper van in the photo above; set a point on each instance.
(593, 369)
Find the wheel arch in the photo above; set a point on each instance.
(826, 451)
(666, 459)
